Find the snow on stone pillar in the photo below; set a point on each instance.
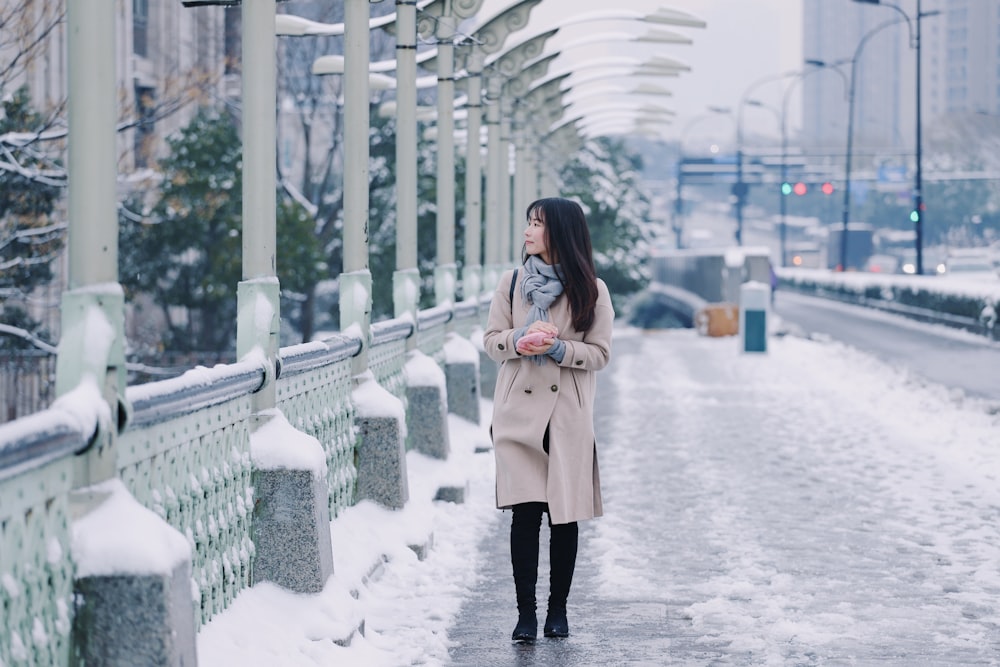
(381, 453)
(427, 406)
(134, 603)
(291, 518)
(462, 371)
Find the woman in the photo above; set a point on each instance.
(550, 329)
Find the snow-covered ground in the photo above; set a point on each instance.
(915, 466)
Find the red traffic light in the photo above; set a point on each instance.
(800, 188)
(828, 188)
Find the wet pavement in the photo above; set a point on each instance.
(761, 512)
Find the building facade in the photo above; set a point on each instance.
(960, 53)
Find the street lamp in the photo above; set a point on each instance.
(917, 215)
(740, 187)
(815, 66)
(678, 197)
(850, 136)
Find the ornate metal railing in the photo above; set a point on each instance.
(185, 455)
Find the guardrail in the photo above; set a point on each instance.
(185, 455)
(971, 306)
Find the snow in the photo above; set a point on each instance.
(277, 445)
(956, 285)
(422, 371)
(83, 403)
(409, 604)
(100, 547)
(372, 400)
(939, 445)
(458, 349)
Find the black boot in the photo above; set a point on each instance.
(524, 529)
(562, 562)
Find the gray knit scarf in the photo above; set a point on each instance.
(540, 288)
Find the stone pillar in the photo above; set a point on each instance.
(132, 591)
(291, 515)
(427, 406)
(462, 371)
(380, 419)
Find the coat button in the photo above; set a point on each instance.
(579, 362)
(554, 388)
(501, 347)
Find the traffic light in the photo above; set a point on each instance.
(786, 188)
(800, 188)
(827, 188)
(914, 215)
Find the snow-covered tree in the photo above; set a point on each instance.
(30, 238)
(186, 253)
(605, 177)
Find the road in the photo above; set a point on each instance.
(937, 353)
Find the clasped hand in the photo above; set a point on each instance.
(537, 339)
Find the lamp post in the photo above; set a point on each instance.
(815, 66)
(678, 213)
(917, 215)
(440, 22)
(355, 278)
(500, 89)
(740, 187)
(487, 40)
(93, 305)
(850, 136)
(406, 277)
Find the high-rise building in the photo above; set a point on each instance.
(960, 52)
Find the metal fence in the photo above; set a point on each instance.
(185, 455)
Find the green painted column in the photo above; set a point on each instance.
(406, 279)
(91, 355)
(257, 293)
(356, 278)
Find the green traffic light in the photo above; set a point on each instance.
(914, 215)
(786, 188)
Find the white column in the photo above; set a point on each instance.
(472, 270)
(509, 250)
(406, 279)
(356, 279)
(257, 294)
(445, 269)
(521, 163)
(494, 166)
(93, 307)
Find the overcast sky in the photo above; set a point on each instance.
(745, 41)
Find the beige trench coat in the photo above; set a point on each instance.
(529, 397)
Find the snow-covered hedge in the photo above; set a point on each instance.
(967, 304)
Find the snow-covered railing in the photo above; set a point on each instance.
(185, 454)
(314, 394)
(964, 304)
(387, 354)
(431, 329)
(36, 571)
(33, 441)
(468, 316)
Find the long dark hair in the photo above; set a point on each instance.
(568, 240)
